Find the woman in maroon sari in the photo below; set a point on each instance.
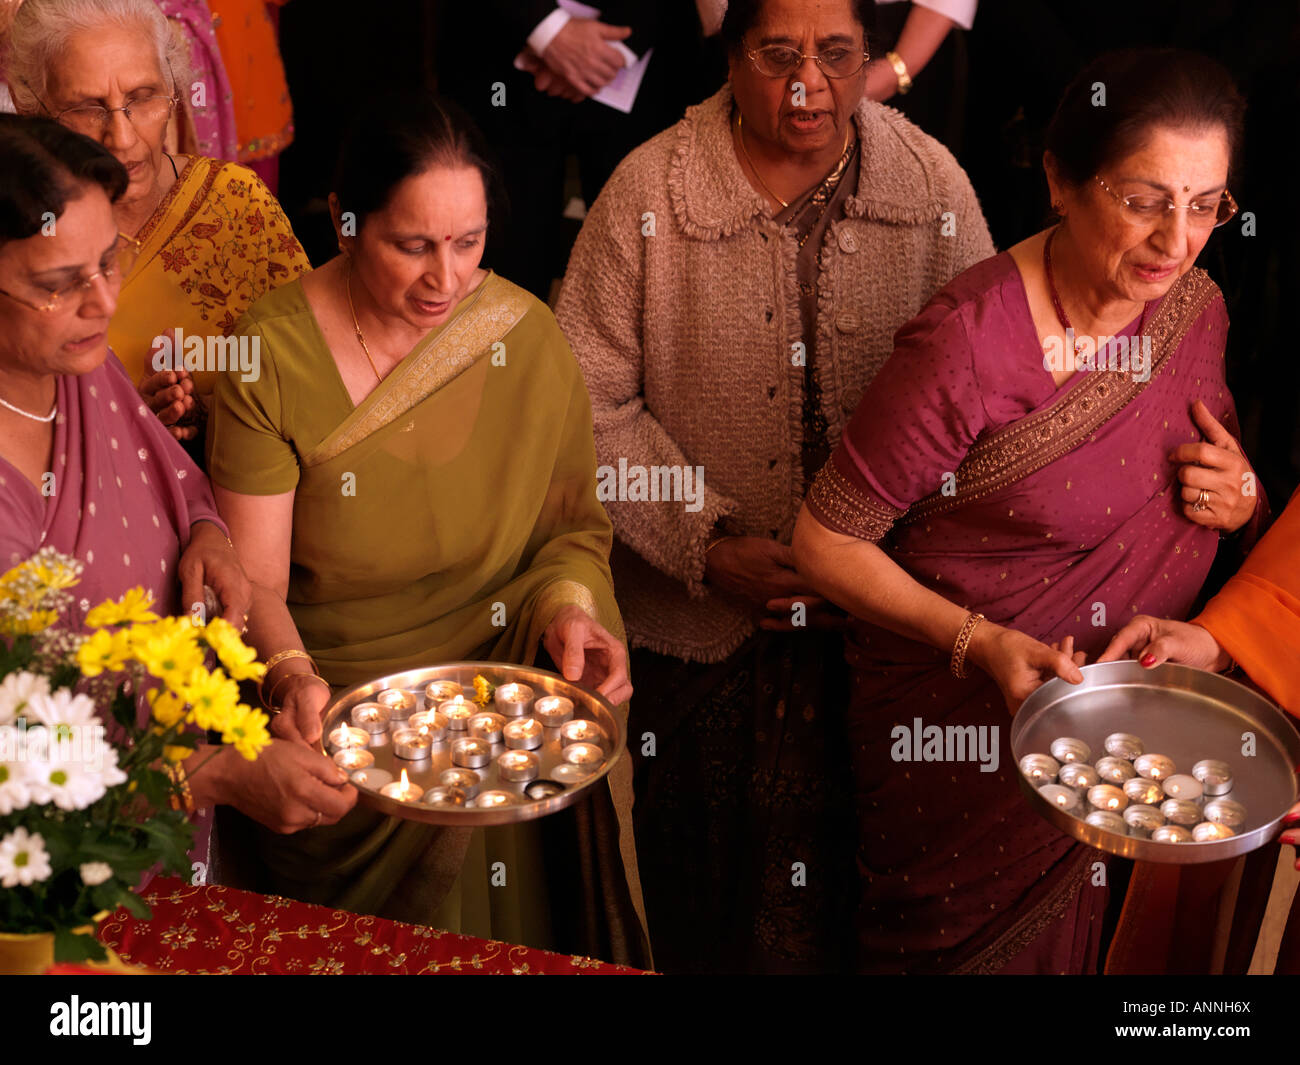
(993, 502)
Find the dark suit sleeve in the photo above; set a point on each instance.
(515, 19)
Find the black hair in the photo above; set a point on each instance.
(41, 164)
(742, 14)
(1144, 88)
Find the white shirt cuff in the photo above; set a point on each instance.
(545, 31)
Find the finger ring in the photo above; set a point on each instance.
(1202, 501)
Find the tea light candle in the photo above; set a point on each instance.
(513, 700)
(444, 796)
(457, 712)
(1109, 820)
(1143, 820)
(373, 717)
(487, 726)
(581, 731)
(1226, 812)
(402, 790)
(412, 744)
(518, 766)
(1215, 776)
(1154, 766)
(1115, 770)
(1144, 792)
(1181, 786)
(437, 692)
(431, 723)
(587, 754)
(401, 705)
(553, 710)
(351, 758)
(1181, 812)
(346, 736)
(1124, 745)
(489, 799)
(1210, 831)
(1078, 775)
(465, 780)
(471, 752)
(1171, 834)
(1068, 749)
(1040, 769)
(523, 733)
(1063, 798)
(371, 778)
(543, 789)
(568, 773)
(1107, 797)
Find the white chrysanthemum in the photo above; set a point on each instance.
(16, 690)
(15, 792)
(63, 708)
(95, 873)
(23, 859)
(74, 784)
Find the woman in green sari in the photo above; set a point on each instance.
(411, 480)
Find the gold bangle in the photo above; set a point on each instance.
(900, 71)
(270, 701)
(963, 642)
(281, 656)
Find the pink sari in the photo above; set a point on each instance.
(1051, 510)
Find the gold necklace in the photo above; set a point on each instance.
(357, 325)
(740, 134)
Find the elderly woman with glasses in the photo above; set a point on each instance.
(209, 238)
(734, 289)
(1048, 450)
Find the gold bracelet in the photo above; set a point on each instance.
(180, 779)
(963, 642)
(281, 656)
(270, 701)
(900, 71)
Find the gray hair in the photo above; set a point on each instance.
(42, 28)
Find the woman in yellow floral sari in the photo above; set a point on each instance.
(413, 476)
(212, 239)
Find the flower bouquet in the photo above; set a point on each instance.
(85, 809)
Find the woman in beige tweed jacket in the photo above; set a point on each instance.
(727, 315)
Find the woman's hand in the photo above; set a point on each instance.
(1219, 468)
(588, 654)
(1019, 664)
(756, 570)
(287, 787)
(1155, 640)
(1292, 833)
(210, 560)
(301, 708)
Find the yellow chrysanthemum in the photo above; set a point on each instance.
(54, 573)
(168, 649)
(246, 731)
(239, 659)
(177, 754)
(212, 697)
(168, 708)
(132, 608)
(40, 620)
(104, 650)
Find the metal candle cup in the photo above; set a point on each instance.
(543, 789)
(1215, 776)
(402, 790)
(1154, 766)
(431, 723)
(1107, 797)
(371, 778)
(1115, 770)
(1078, 775)
(1182, 786)
(457, 711)
(1226, 812)
(471, 752)
(524, 734)
(553, 710)
(1062, 798)
(437, 692)
(1124, 745)
(1109, 820)
(412, 744)
(351, 758)
(587, 754)
(346, 736)
(1181, 812)
(489, 799)
(581, 731)
(401, 705)
(1040, 769)
(1211, 831)
(445, 796)
(465, 780)
(518, 767)
(486, 726)
(568, 773)
(373, 717)
(1069, 749)
(1143, 820)
(1171, 834)
(513, 700)
(1144, 792)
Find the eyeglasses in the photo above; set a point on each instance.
(117, 262)
(1152, 207)
(780, 61)
(92, 119)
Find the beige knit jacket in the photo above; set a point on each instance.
(681, 305)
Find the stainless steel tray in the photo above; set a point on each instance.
(587, 705)
(1185, 713)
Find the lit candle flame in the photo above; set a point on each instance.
(406, 784)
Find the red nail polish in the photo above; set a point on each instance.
(1148, 659)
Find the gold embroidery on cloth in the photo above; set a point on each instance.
(486, 317)
(1013, 453)
(568, 593)
(848, 509)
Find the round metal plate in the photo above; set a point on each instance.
(586, 704)
(1185, 713)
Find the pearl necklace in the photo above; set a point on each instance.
(28, 414)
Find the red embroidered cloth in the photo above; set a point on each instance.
(211, 929)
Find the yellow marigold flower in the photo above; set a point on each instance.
(482, 689)
(104, 650)
(212, 697)
(246, 731)
(239, 659)
(132, 608)
(168, 708)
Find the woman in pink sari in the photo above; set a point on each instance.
(993, 502)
